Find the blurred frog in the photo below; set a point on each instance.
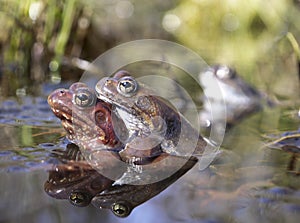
(228, 97)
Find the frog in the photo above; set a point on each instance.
(85, 118)
(153, 124)
(78, 181)
(240, 98)
(87, 122)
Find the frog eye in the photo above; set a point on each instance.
(127, 86)
(84, 98)
(120, 209)
(79, 198)
(224, 72)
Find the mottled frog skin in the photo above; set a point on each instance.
(86, 119)
(154, 125)
(88, 123)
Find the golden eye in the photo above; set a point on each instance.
(120, 209)
(84, 98)
(127, 86)
(80, 199)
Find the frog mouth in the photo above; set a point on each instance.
(79, 125)
(110, 99)
(65, 115)
(106, 97)
(67, 123)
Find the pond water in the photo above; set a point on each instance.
(249, 182)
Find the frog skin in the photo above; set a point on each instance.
(86, 119)
(153, 124)
(89, 123)
(75, 179)
(239, 97)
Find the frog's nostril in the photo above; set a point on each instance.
(107, 82)
(62, 92)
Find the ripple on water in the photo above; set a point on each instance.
(28, 149)
(47, 145)
(280, 191)
(35, 163)
(292, 208)
(18, 158)
(9, 103)
(30, 158)
(16, 169)
(5, 153)
(28, 110)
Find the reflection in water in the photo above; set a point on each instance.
(228, 191)
(78, 182)
(74, 178)
(247, 184)
(232, 189)
(289, 142)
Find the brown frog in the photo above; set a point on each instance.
(154, 125)
(89, 124)
(86, 119)
(77, 180)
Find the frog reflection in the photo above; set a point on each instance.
(75, 180)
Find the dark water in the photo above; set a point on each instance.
(250, 182)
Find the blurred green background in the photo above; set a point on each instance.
(51, 40)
